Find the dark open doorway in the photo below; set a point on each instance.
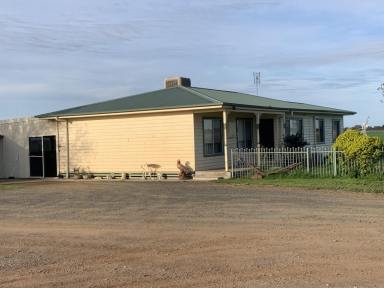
(42, 156)
(267, 137)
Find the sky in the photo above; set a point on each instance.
(59, 54)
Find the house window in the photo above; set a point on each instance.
(213, 140)
(244, 133)
(319, 130)
(335, 129)
(294, 127)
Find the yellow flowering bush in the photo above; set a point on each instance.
(361, 149)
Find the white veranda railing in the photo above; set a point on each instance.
(311, 161)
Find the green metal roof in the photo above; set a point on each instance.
(242, 99)
(184, 97)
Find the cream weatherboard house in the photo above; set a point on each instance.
(195, 125)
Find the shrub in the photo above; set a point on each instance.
(294, 141)
(361, 149)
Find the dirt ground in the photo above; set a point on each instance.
(172, 234)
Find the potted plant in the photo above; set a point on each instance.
(77, 174)
(87, 174)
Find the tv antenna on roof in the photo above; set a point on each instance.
(257, 81)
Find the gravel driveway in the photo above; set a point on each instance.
(188, 234)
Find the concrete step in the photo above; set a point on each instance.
(212, 175)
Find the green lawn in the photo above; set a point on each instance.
(376, 134)
(8, 186)
(374, 185)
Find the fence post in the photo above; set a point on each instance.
(231, 163)
(308, 160)
(258, 156)
(334, 162)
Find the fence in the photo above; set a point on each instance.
(313, 161)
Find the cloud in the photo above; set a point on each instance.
(64, 37)
(22, 88)
(57, 54)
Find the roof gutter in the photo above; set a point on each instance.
(323, 112)
(136, 112)
(270, 108)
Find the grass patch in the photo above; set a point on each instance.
(372, 185)
(377, 133)
(8, 187)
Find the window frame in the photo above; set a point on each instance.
(237, 131)
(42, 154)
(221, 137)
(288, 121)
(320, 141)
(339, 129)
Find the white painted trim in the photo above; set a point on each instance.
(286, 111)
(67, 131)
(136, 112)
(225, 125)
(240, 110)
(258, 115)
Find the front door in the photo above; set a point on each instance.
(244, 132)
(267, 137)
(42, 156)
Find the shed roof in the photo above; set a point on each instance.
(189, 97)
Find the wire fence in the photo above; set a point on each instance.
(309, 161)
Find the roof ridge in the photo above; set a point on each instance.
(190, 89)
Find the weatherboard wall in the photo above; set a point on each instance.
(217, 162)
(309, 127)
(205, 162)
(126, 143)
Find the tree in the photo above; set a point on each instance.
(362, 151)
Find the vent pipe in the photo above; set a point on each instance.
(177, 81)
